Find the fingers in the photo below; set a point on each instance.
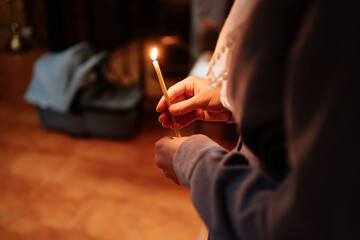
(214, 116)
(165, 149)
(182, 90)
(168, 123)
(188, 118)
(181, 121)
(161, 146)
(161, 106)
(164, 116)
(192, 100)
(199, 101)
(172, 175)
(187, 87)
(165, 119)
(174, 93)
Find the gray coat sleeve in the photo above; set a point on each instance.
(223, 186)
(319, 197)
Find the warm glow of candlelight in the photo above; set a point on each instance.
(154, 54)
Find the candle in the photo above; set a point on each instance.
(163, 88)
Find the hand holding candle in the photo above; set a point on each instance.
(163, 89)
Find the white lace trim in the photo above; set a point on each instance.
(219, 62)
(217, 74)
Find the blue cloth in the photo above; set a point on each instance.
(298, 71)
(57, 77)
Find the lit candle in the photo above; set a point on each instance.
(163, 89)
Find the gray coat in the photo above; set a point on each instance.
(295, 82)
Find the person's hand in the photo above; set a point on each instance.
(165, 149)
(191, 100)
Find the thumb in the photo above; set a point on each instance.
(199, 101)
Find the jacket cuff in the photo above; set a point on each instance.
(188, 154)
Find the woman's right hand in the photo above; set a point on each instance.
(192, 100)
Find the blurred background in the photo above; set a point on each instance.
(77, 115)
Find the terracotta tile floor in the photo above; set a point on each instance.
(55, 186)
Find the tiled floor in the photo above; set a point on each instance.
(55, 186)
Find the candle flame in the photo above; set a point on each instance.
(154, 54)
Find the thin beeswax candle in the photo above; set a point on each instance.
(163, 89)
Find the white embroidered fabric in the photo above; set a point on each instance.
(217, 74)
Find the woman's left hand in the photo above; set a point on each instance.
(165, 149)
